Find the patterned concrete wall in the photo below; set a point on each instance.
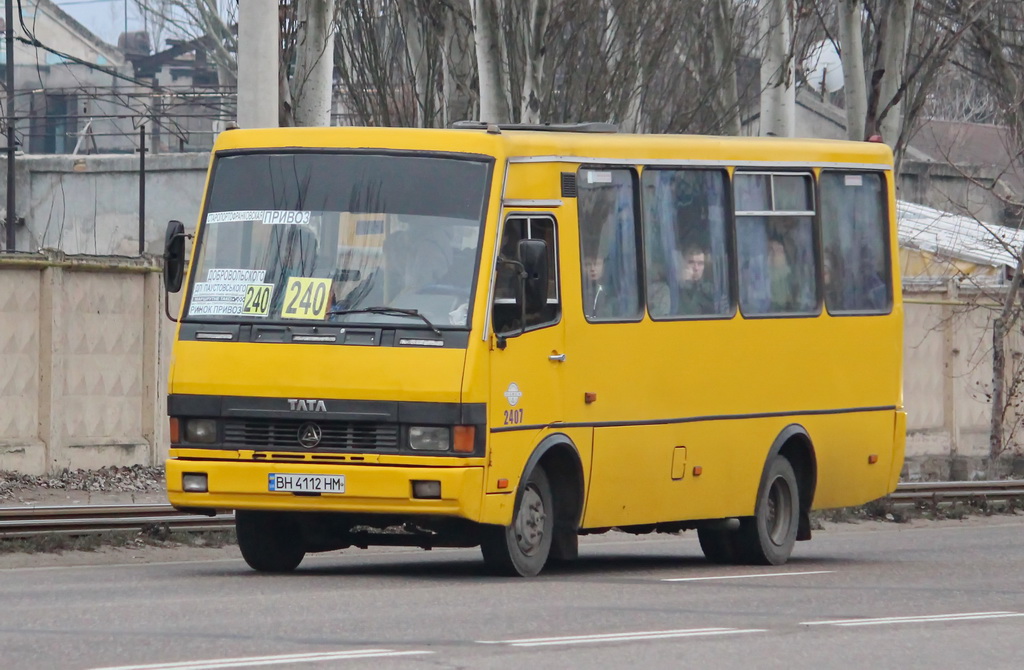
(948, 382)
(19, 367)
(102, 366)
(924, 369)
(83, 345)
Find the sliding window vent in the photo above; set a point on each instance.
(568, 184)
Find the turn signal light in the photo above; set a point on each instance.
(465, 437)
(872, 459)
(175, 430)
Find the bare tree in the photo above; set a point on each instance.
(995, 53)
(850, 18)
(536, 22)
(722, 18)
(778, 70)
(312, 84)
(487, 38)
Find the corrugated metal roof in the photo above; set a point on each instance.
(955, 236)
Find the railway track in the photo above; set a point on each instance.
(23, 522)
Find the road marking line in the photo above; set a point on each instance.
(766, 574)
(620, 637)
(254, 661)
(927, 618)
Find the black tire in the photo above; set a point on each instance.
(522, 549)
(719, 545)
(767, 538)
(270, 541)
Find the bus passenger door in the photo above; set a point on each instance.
(526, 356)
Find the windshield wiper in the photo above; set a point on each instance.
(394, 311)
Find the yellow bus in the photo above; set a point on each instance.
(511, 336)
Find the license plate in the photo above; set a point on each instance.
(292, 483)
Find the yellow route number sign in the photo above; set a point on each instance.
(257, 299)
(306, 298)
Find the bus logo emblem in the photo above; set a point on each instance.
(513, 394)
(306, 405)
(310, 435)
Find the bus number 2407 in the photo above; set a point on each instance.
(513, 416)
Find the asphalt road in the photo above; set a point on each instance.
(881, 596)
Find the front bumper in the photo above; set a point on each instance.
(370, 489)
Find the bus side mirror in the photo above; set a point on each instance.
(533, 254)
(174, 256)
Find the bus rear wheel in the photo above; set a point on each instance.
(522, 549)
(767, 538)
(269, 541)
(720, 545)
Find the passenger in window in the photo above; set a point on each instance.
(694, 289)
(690, 293)
(782, 291)
(877, 295)
(596, 302)
(833, 276)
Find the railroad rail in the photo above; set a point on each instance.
(22, 522)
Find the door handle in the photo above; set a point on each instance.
(558, 358)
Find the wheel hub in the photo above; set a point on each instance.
(779, 511)
(530, 522)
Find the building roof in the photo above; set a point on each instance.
(974, 144)
(957, 237)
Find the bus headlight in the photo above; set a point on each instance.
(201, 431)
(429, 438)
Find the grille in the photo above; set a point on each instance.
(336, 435)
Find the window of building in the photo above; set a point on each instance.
(53, 123)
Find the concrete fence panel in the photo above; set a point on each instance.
(83, 343)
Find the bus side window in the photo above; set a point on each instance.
(775, 244)
(686, 243)
(853, 231)
(506, 313)
(608, 245)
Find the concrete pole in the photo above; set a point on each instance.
(258, 45)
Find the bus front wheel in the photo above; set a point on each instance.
(767, 538)
(269, 541)
(522, 549)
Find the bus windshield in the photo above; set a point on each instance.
(340, 237)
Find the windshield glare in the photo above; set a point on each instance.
(333, 237)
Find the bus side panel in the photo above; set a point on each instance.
(843, 444)
(509, 454)
(899, 448)
(677, 472)
(632, 478)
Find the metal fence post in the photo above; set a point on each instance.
(142, 189)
